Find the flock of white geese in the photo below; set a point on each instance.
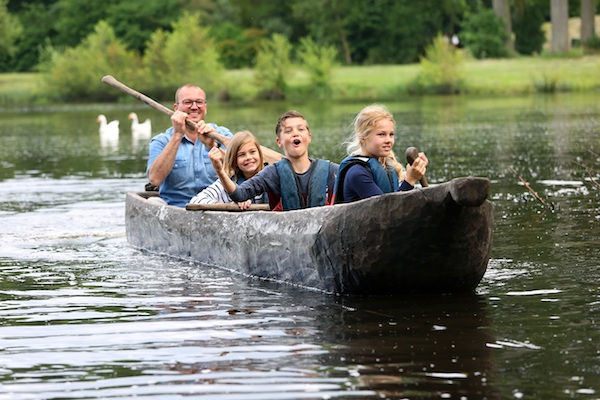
(109, 131)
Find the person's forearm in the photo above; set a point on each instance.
(163, 164)
(228, 184)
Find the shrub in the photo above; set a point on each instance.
(10, 31)
(592, 45)
(318, 62)
(237, 46)
(483, 34)
(550, 81)
(75, 74)
(186, 55)
(155, 69)
(440, 69)
(273, 67)
(527, 27)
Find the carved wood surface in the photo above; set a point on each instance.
(434, 239)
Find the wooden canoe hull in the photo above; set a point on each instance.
(435, 239)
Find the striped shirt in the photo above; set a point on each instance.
(215, 193)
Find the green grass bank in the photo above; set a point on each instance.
(521, 75)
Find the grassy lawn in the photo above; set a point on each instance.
(494, 76)
(528, 74)
(387, 82)
(17, 87)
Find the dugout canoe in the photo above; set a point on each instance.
(433, 239)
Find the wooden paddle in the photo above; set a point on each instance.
(225, 207)
(270, 156)
(411, 154)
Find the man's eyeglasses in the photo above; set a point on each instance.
(190, 102)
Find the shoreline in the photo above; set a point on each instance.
(488, 77)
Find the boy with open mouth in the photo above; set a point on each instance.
(296, 181)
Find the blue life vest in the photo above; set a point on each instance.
(291, 192)
(386, 179)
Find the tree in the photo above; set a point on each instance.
(237, 46)
(10, 30)
(135, 20)
(269, 16)
(406, 41)
(588, 14)
(484, 34)
(502, 11)
(76, 19)
(382, 31)
(319, 62)
(188, 54)
(38, 31)
(559, 16)
(273, 67)
(156, 71)
(75, 73)
(328, 21)
(441, 69)
(528, 17)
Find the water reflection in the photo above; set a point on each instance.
(413, 348)
(110, 143)
(163, 328)
(168, 329)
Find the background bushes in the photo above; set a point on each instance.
(440, 69)
(483, 34)
(76, 72)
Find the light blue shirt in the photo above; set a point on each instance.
(192, 170)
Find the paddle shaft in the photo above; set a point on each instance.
(225, 207)
(411, 154)
(270, 156)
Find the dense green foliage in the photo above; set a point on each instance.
(273, 65)
(38, 33)
(10, 30)
(318, 61)
(160, 43)
(76, 73)
(372, 31)
(237, 47)
(187, 54)
(483, 34)
(135, 20)
(440, 69)
(528, 18)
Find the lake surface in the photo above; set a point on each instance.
(83, 315)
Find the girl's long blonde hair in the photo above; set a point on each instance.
(364, 123)
(230, 158)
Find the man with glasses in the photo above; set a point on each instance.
(178, 162)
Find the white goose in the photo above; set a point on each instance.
(140, 130)
(109, 132)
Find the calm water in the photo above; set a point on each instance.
(85, 316)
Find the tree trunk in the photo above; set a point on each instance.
(346, 47)
(588, 15)
(502, 11)
(559, 16)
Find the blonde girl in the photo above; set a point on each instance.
(371, 169)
